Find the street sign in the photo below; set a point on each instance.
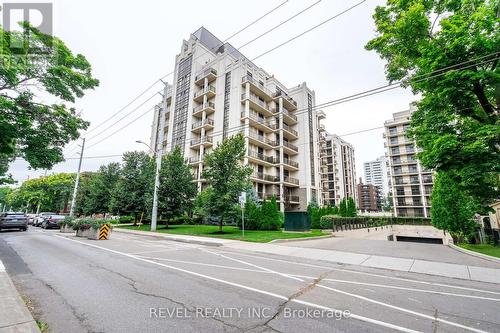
(243, 198)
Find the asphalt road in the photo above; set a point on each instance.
(143, 284)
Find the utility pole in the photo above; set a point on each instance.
(75, 190)
(158, 154)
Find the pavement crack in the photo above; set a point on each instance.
(133, 284)
(283, 304)
(435, 321)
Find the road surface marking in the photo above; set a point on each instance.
(366, 273)
(154, 251)
(403, 309)
(284, 298)
(256, 266)
(414, 300)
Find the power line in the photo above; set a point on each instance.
(164, 76)
(330, 103)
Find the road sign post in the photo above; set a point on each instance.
(243, 200)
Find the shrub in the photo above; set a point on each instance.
(126, 219)
(342, 223)
(87, 223)
(68, 220)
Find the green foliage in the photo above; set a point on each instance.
(342, 223)
(4, 193)
(452, 208)
(271, 217)
(87, 223)
(68, 220)
(316, 212)
(96, 190)
(125, 219)
(30, 127)
(347, 207)
(227, 176)
(53, 193)
(457, 121)
(201, 203)
(177, 188)
(133, 191)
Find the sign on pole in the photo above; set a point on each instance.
(243, 200)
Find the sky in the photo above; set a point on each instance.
(132, 44)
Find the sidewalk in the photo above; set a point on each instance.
(467, 272)
(14, 317)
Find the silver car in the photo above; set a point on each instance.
(13, 220)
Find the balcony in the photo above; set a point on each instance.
(289, 148)
(321, 115)
(205, 141)
(290, 181)
(261, 141)
(208, 91)
(292, 199)
(257, 88)
(208, 107)
(267, 196)
(289, 164)
(288, 102)
(289, 132)
(257, 104)
(264, 177)
(207, 124)
(321, 128)
(195, 160)
(260, 158)
(259, 122)
(289, 117)
(209, 73)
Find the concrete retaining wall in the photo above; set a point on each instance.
(383, 233)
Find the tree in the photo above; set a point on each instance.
(132, 194)
(4, 192)
(30, 127)
(457, 120)
(271, 217)
(452, 208)
(387, 203)
(227, 176)
(351, 208)
(176, 186)
(201, 204)
(100, 189)
(343, 207)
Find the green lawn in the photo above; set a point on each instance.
(229, 232)
(487, 249)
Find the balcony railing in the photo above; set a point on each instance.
(280, 93)
(291, 115)
(257, 101)
(210, 88)
(255, 117)
(204, 73)
(289, 129)
(207, 121)
(290, 163)
(292, 198)
(202, 140)
(263, 139)
(204, 106)
(256, 83)
(266, 177)
(291, 146)
(288, 179)
(262, 157)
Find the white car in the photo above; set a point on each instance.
(42, 217)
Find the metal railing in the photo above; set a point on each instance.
(290, 130)
(257, 84)
(266, 177)
(257, 101)
(201, 140)
(204, 91)
(291, 146)
(288, 179)
(262, 157)
(288, 161)
(261, 138)
(207, 121)
(204, 73)
(204, 106)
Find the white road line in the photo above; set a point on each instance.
(412, 289)
(256, 266)
(154, 251)
(403, 309)
(414, 300)
(366, 273)
(268, 271)
(237, 285)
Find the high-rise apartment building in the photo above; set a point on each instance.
(369, 197)
(377, 173)
(216, 93)
(411, 184)
(338, 170)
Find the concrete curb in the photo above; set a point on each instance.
(170, 237)
(15, 315)
(475, 254)
(274, 241)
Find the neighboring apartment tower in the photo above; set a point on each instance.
(369, 197)
(338, 170)
(377, 173)
(216, 93)
(411, 184)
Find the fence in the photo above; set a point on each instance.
(337, 223)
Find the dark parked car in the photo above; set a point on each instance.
(13, 220)
(52, 221)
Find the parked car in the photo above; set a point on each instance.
(41, 217)
(31, 218)
(13, 220)
(52, 221)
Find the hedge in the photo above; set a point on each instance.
(350, 223)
